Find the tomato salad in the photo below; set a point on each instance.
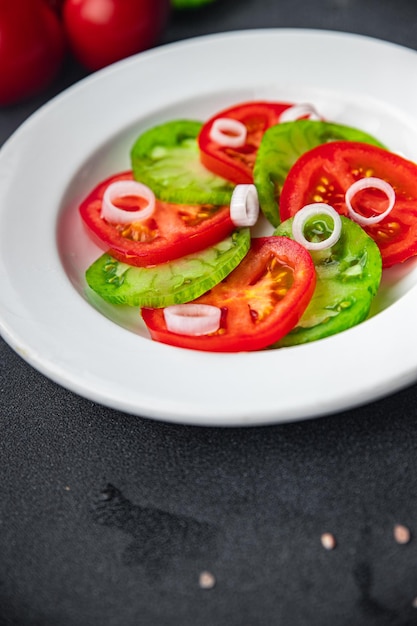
(177, 229)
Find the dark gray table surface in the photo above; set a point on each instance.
(107, 519)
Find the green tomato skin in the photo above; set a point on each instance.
(348, 277)
(189, 4)
(170, 283)
(280, 148)
(166, 158)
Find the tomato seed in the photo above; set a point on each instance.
(206, 580)
(401, 534)
(328, 541)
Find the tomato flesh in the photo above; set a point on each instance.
(348, 278)
(261, 300)
(165, 284)
(236, 164)
(166, 159)
(173, 231)
(280, 148)
(325, 173)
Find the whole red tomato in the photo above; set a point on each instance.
(101, 32)
(32, 48)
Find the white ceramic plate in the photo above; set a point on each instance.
(85, 134)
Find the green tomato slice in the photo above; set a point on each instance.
(170, 283)
(166, 158)
(348, 277)
(280, 148)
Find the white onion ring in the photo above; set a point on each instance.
(192, 319)
(312, 210)
(299, 111)
(369, 183)
(228, 132)
(122, 188)
(244, 205)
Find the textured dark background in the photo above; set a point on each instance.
(107, 519)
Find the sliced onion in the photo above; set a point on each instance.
(228, 132)
(313, 210)
(192, 319)
(244, 205)
(369, 183)
(299, 111)
(123, 188)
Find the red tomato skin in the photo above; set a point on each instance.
(236, 164)
(238, 330)
(174, 239)
(56, 5)
(102, 32)
(32, 48)
(343, 162)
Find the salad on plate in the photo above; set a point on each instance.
(180, 230)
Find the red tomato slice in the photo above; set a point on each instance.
(173, 231)
(236, 164)
(261, 300)
(325, 173)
